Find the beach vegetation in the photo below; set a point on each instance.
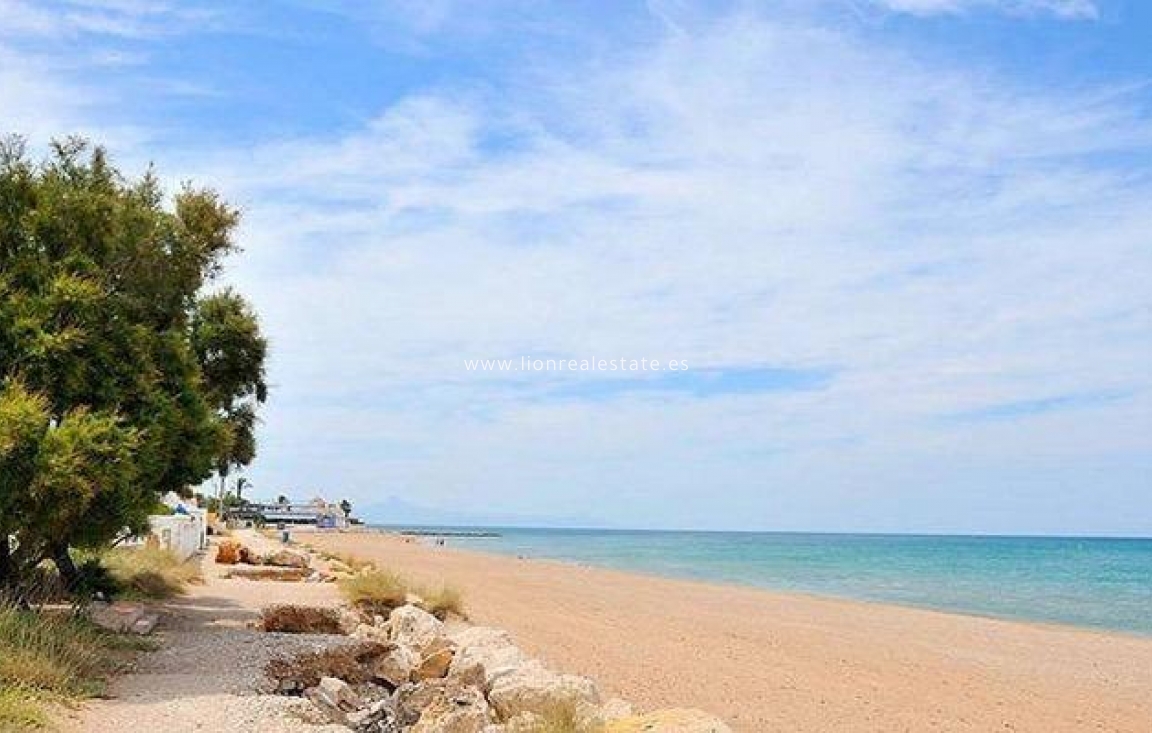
(121, 376)
(47, 658)
(562, 717)
(375, 591)
(152, 573)
(441, 601)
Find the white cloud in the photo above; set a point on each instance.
(753, 193)
(1073, 9)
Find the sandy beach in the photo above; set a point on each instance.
(769, 661)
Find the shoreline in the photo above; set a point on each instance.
(785, 592)
(787, 660)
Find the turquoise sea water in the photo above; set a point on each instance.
(1101, 583)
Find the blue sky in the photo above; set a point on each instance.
(903, 245)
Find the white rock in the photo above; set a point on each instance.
(337, 693)
(443, 706)
(483, 654)
(396, 667)
(410, 626)
(533, 688)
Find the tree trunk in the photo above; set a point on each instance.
(67, 568)
(7, 570)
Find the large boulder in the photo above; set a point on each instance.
(286, 559)
(673, 720)
(533, 688)
(483, 654)
(442, 706)
(416, 628)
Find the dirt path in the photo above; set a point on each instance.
(207, 672)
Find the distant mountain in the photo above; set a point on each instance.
(397, 511)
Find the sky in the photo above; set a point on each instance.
(903, 247)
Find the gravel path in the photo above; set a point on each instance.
(209, 672)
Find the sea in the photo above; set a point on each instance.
(1100, 583)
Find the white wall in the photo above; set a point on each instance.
(184, 534)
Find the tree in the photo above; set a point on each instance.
(120, 378)
(346, 507)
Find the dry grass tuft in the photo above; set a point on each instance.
(292, 619)
(563, 718)
(375, 591)
(443, 601)
(150, 572)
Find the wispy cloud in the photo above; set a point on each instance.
(1071, 9)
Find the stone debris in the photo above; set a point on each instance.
(410, 673)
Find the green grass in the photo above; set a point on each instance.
(52, 658)
(149, 572)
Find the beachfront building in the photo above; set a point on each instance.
(318, 513)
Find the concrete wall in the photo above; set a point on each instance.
(184, 534)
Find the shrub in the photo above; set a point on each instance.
(150, 572)
(293, 619)
(375, 591)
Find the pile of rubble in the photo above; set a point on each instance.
(410, 671)
(283, 564)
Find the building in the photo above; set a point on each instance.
(318, 512)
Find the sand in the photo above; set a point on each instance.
(769, 661)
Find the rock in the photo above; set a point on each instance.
(267, 572)
(397, 666)
(334, 697)
(434, 665)
(532, 688)
(410, 626)
(370, 633)
(378, 718)
(117, 617)
(411, 599)
(145, 624)
(442, 706)
(293, 619)
(483, 654)
(615, 709)
(338, 693)
(674, 720)
(248, 556)
(349, 620)
(228, 552)
(286, 559)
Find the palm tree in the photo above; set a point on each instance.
(346, 507)
(241, 484)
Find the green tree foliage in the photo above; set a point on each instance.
(120, 378)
